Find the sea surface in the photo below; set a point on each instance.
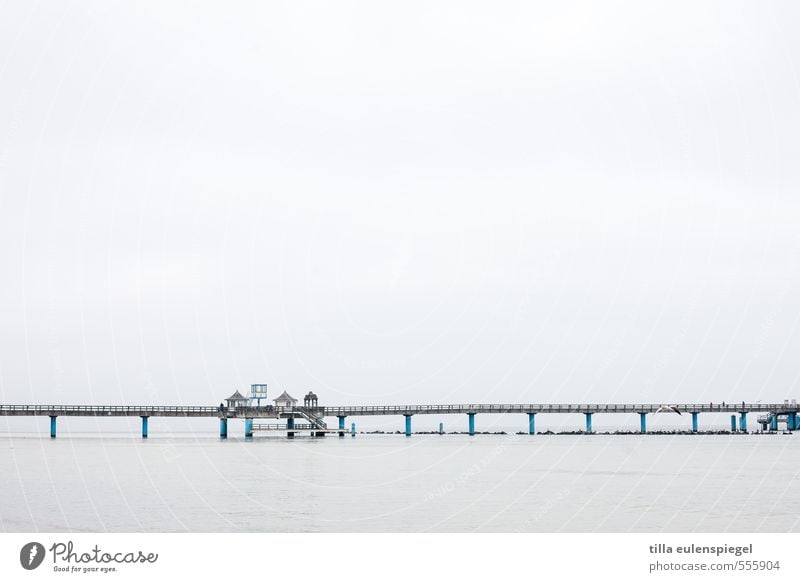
(390, 483)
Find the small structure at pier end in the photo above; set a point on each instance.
(236, 401)
(285, 401)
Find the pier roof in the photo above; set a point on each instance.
(285, 397)
(236, 396)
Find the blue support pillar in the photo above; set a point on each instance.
(408, 424)
(733, 423)
(144, 427)
(531, 423)
(588, 421)
(471, 416)
(773, 422)
(223, 428)
(290, 425)
(341, 425)
(791, 421)
(248, 427)
(441, 428)
(694, 421)
(52, 427)
(743, 421)
(353, 429)
(642, 422)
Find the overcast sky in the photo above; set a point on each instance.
(403, 202)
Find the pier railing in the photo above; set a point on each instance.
(412, 409)
(78, 410)
(279, 426)
(315, 415)
(552, 408)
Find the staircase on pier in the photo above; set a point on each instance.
(312, 416)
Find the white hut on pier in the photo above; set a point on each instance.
(285, 401)
(236, 400)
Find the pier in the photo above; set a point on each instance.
(310, 417)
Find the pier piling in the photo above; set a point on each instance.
(694, 421)
(290, 424)
(441, 428)
(588, 421)
(223, 428)
(471, 416)
(408, 424)
(52, 427)
(341, 426)
(733, 423)
(743, 421)
(643, 422)
(531, 423)
(353, 429)
(248, 427)
(144, 427)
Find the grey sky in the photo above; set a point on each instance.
(399, 202)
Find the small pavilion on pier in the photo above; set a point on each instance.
(236, 400)
(285, 400)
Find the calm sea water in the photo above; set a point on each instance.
(389, 483)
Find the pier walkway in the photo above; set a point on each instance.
(773, 413)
